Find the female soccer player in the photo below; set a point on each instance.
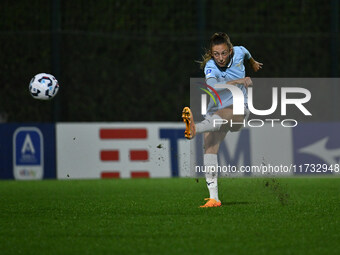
(222, 63)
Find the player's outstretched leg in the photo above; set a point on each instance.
(190, 129)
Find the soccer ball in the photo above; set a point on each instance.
(43, 86)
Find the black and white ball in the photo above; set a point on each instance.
(43, 86)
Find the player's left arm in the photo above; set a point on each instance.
(253, 63)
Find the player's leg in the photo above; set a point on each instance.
(212, 142)
(235, 122)
(211, 123)
(214, 122)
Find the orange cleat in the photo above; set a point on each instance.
(190, 130)
(211, 203)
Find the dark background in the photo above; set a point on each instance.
(132, 60)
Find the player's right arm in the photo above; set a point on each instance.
(246, 81)
(211, 75)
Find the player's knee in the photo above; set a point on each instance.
(237, 123)
(235, 128)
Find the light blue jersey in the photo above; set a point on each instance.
(235, 70)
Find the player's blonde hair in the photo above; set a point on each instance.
(216, 39)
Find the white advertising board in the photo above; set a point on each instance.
(132, 150)
(120, 150)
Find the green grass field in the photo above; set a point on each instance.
(161, 216)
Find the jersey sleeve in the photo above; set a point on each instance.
(210, 71)
(211, 76)
(246, 53)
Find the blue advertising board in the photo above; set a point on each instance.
(27, 151)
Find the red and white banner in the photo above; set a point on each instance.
(121, 150)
